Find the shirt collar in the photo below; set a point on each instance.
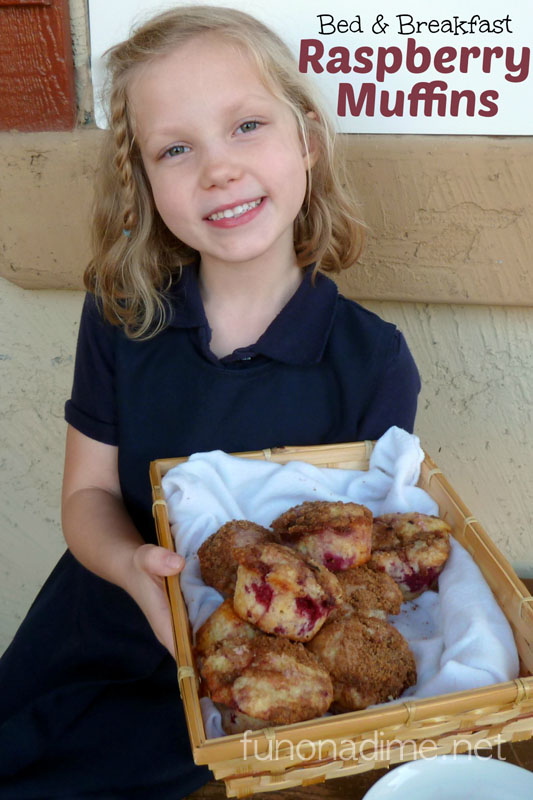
(298, 334)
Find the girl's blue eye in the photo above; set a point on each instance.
(177, 150)
(249, 126)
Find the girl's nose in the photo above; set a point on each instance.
(219, 167)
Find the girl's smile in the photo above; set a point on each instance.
(238, 214)
(223, 155)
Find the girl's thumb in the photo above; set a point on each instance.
(173, 563)
(158, 560)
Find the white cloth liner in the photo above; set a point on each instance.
(460, 637)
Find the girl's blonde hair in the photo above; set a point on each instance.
(135, 256)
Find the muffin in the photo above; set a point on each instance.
(222, 627)
(217, 554)
(336, 535)
(411, 548)
(283, 593)
(269, 679)
(234, 721)
(370, 593)
(221, 666)
(368, 660)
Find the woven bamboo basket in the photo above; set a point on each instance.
(332, 747)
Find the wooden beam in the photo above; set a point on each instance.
(450, 218)
(36, 66)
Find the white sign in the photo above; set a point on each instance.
(445, 67)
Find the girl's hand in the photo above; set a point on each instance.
(151, 564)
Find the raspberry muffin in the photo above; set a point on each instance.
(370, 593)
(368, 659)
(337, 535)
(217, 554)
(283, 593)
(412, 548)
(221, 666)
(222, 627)
(271, 680)
(234, 721)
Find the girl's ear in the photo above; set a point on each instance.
(311, 152)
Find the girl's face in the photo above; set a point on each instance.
(223, 155)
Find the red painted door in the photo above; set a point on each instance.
(36, 68)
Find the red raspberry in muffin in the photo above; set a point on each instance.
(283, 593)
(217, 554)
(337, 535)
(412, 548)
(368, 659)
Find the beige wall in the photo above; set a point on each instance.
(37, 340)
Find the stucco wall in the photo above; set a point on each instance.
(474, 419)
(37, 341)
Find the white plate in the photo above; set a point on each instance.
(460, 777)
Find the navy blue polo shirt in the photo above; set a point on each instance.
(325, 371)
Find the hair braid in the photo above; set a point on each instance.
(123, 143)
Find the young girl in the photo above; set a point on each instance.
(207, 326)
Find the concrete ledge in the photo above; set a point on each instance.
(450, 218)
(46, 195)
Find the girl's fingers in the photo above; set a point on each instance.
(158, 560)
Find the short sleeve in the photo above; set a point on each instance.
(396, 395)
(92, 405)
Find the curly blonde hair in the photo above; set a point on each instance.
(135, 256)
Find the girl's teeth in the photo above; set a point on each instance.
(234, 212)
